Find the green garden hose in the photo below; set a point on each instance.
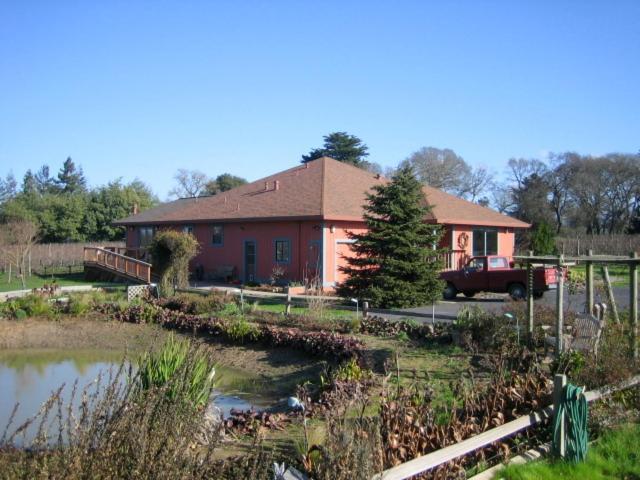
(573, 412)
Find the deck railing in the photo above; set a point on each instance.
(112, 260)
(454, 260)
(140, 253)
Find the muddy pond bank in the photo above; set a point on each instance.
(36, 356)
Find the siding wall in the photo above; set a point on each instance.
(299, 234)
(308, 240)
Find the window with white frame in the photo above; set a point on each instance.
(485, 241)
(188, 229)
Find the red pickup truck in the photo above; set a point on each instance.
(494, 273)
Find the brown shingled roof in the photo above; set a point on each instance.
(323, 189)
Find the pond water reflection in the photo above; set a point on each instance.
(29, 377)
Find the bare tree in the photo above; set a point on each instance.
(17, 238)
(521, 168)
(439, 168)
(190, 183)
(478, 181)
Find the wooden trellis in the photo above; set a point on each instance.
(590, 260)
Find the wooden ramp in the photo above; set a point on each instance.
(112, 262)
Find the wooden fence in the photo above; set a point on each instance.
(118, 263)
(616, 244)
(434, 459)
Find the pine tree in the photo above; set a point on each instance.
(70, 178)
(342, 147)
(29, 184)
(395, 261)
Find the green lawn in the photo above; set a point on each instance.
(37, 281)
(619, 274)
(615, 455)
(277, 306)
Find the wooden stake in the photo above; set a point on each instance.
(633, 303)
(560, 307)
(530, 299)
(559, 382)
(590, 300)
(612, 299)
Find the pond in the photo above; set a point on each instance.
(30, 376)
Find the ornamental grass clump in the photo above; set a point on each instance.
(165, 369)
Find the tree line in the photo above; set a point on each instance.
(65, 209)
(566, 193)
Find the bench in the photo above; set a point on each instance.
(586, 332)
(223, 272)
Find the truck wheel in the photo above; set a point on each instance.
(450, 292)
(517, 291)
(469, 294)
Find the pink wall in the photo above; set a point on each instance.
(300, 234)
(336, 247)
(506, 239)
(309, 242)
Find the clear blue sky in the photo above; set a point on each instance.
(138, 89)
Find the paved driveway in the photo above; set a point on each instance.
(446, 311)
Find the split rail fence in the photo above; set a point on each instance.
(439, 457)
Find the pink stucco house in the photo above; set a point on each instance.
(297, 220)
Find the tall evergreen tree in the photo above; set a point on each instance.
(342, 147)
(44, 182)
(395, 262)
(29, 184)
(8, 187)
(70, 178)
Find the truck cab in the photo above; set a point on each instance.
(495, 273)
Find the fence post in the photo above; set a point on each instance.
(559, 382)
(589, 269)
(633, 303)
(530, 299)
(287, 309)
(560, 307)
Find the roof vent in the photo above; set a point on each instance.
(277, 185)
(306, 164)
(266, 186)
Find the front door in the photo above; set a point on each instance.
(313, 268)
(249, 261)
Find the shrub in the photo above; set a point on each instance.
(171, 252)
(478, 330)
(80, 304)
(240, 330)
(28, 306)
(196, 304)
